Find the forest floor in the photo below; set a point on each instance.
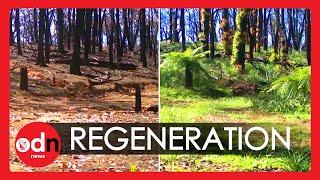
(228, 98)
(179, 105)
(56, 96)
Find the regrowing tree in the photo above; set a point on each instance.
(239, 40)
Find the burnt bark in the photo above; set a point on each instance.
(75, 61)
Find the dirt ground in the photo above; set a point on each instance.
(56, 96)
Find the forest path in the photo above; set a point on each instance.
(56, 96)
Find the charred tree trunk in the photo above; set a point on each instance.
(60, 25)
(24, 79)
(259, 29)
(40, 60)
(47, 36)
(175, 26)
(87, 41)
(292, 34)
(308, 36)
(35, 24)
(276, 31)
(17, 29)
(75, 61)
(69, 29)
(252, 32)
(224, 25)
(142, 19)
(111, 37)
(126, 29)
(183, 30)
(118, 36)
(212, 35)
(138, 99)
(100, 40)
(11, 32)
(200, 20)
(94, 31)
(283, 48)
(188, 76)
(170, 24)
(265, 30)
(205, 13)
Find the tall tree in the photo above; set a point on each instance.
(276, 31)
(60, 25)
(126, 29)
(283, 48)
(17, 29)
(70, 28)
(111, 36)
(142, 20)
(292, 33)
(11, 31)
(308, 36)
(175, 26)
(100, 39)
(259, 29)
(87, 36)
(35, 24)
(224, 25)
(265, 29)
(239, 40)
(212, 35)
(170, 24)
(118, 36)
(205, 21)
(75, 61)
(47, 35)
(183, 30)
(40, 60)
(252, 32)
(94, 31)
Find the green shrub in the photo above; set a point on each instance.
(287, 94)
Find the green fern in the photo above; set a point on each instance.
(174, 64)
(288, 93)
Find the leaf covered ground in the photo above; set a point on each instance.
(56, 96)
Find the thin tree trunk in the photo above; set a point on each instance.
(259, 29)
(111, 37)
(87, 41)
(276, 30)
(224, 25)
(11, 32)
(47, 36)
(183, 30)
(17, 29)
(40, 60)
(75, 61)
(100, 19)
(35, 24)
(70, 29)
(308, 36)
(60, 25)
(239, 40)
(118, 36)
(170, 24)
(94, 31)
(212, 35)
(252, 32)
(265, 29)
(142, 19)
